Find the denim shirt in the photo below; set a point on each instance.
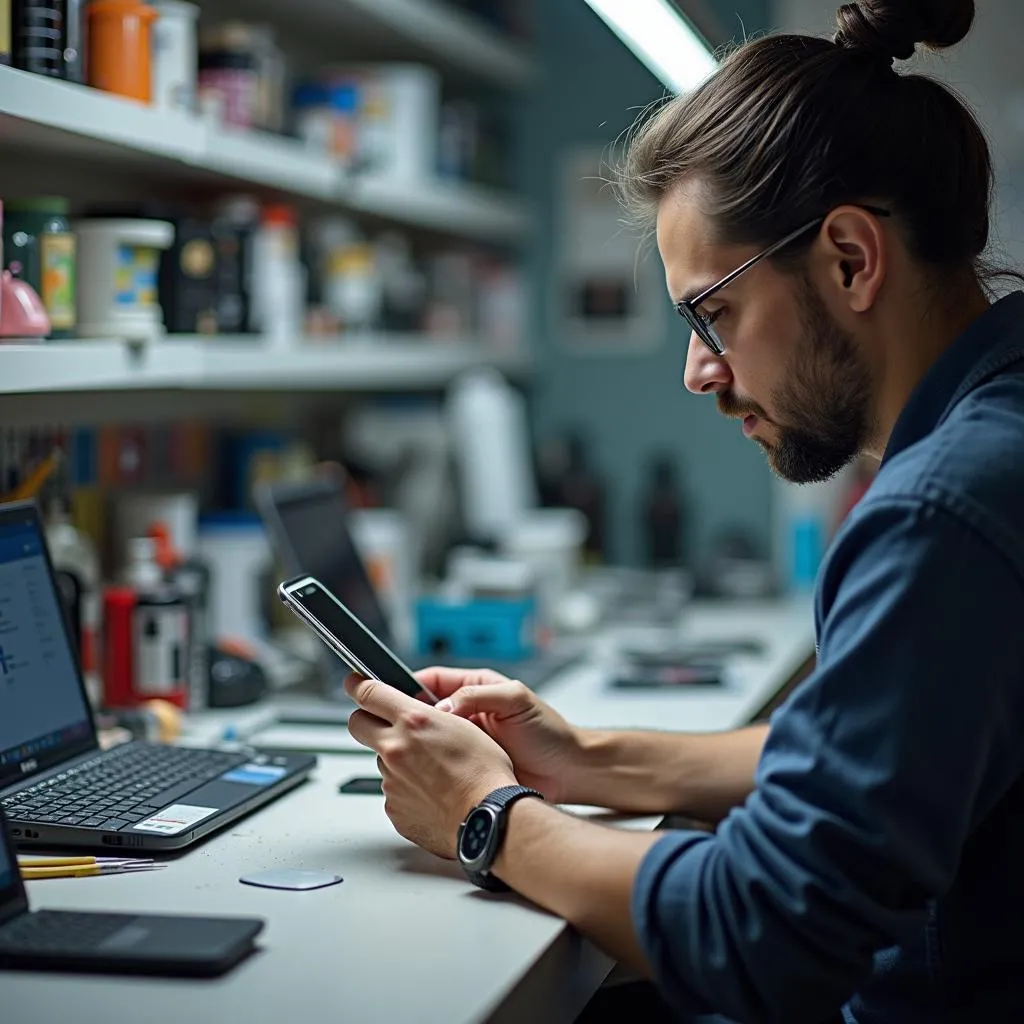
(878, 866)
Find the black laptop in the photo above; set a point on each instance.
(131, 943)
(57, 787)
(307, 525)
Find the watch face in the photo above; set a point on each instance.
(476, 837)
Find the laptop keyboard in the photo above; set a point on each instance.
(120, 787)
(59, 931)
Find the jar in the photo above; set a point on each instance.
(242, 75)
(120, 47)
(119, 277)
(229, 81)
(41, 249)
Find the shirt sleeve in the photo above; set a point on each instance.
(874, 774)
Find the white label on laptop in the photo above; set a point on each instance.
(176, 818)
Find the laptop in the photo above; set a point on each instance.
(307, 525)
(57, 787)
(129, 943)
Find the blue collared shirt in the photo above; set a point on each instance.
(879, 863)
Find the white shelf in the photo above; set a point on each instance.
(193, 364)
(272, 161)
(82, 366)
(75, 121)
(471, 211)
(358, 364)
(453, 37)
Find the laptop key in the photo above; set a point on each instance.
(92, 822)
(71, 819)
(113, 824)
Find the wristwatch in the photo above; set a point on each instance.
(481, 834)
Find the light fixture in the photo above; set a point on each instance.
(661, 38)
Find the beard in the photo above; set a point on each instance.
(822, 412)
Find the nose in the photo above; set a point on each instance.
(705, 373)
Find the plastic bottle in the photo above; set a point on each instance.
(277, 299)
(175, 60)
(120, 47)
(75, 559)
(663, 517)
(583, 490)
(158, 634)
(488, 428)
(42, 250)
(804, 520)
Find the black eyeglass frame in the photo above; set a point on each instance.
(688, 308)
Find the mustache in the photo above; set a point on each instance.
(730, 405)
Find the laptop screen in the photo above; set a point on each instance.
(316, 541)
(44, 715)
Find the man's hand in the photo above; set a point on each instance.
(435, 766)
(543, 746)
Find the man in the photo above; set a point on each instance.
(821, 219)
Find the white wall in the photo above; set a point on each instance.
(987, 69)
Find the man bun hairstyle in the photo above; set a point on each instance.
(893, 28)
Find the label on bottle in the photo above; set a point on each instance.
(57, 278)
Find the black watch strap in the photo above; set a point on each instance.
(500, 800)
(507, 795)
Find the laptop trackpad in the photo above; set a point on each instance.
(128, 936)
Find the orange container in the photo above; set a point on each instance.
(119, 47)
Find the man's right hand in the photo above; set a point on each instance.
(543, 746)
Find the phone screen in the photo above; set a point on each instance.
(365, 653)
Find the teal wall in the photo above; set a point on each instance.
(627, 406)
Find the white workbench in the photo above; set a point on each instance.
(404, 937)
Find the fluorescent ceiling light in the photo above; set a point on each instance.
(661, 38)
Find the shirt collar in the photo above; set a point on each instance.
(992, 342)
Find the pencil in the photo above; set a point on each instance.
(78, 862)
(88, 871)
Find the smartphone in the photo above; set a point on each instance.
(319, 609)
(657, 674)
(363, 784)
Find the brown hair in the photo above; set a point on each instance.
(791, 126)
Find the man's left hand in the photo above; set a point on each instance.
(436, 766)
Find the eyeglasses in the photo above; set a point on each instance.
(702, 324)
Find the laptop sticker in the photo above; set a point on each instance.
(174, 819)
(254, 774)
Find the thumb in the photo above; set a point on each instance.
(501, 699)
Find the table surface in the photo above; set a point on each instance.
(404, 937)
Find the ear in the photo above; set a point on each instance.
(855, 256)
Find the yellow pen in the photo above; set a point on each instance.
(76, 862)
(87, 871)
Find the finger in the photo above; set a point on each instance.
(378, 698)
(367, 729)
(443, 682)
(503, 700)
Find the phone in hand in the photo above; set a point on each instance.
(322, 612)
